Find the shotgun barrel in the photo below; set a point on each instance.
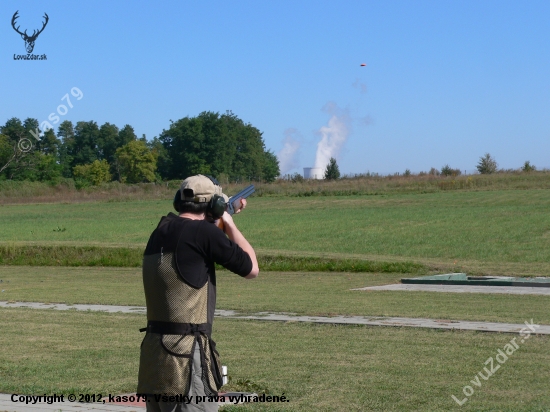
(235, 201)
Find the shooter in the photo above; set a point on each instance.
(178, 356)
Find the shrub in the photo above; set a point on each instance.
(448, 171)
(95, 173)
(296, 178)
(332, 172)
(528, 167)
(138, 163)
(487, 164)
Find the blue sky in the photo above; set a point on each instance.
(445, 82)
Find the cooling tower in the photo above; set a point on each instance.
(313, 173)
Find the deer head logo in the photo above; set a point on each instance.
(29, 40)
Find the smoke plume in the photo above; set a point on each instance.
(333, 136)
(288, 156)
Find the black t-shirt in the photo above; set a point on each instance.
(197, 245)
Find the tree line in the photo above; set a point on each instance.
(219, 145)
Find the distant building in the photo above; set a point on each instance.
(313, 173)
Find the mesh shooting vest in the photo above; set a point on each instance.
(179, 317)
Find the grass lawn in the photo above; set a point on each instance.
(509, 227)
(322, 294)
(318, 367)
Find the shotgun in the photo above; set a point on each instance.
(234, 202)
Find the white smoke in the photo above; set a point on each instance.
(288, 156)
(333, 136)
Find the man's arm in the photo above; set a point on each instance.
(236, 236)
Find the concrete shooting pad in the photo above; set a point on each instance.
(467, 280)
(462, 283)
(510, 290)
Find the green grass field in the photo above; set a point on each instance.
(316, 294)
(488, 230)
(318, 367)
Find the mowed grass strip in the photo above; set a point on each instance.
(317, 367)
(489, 226)
(316, 264)
(59, 255)
(313, 293)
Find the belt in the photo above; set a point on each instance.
(174, 328)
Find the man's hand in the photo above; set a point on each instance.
(221, 223)
(226, 220)
(242, 206)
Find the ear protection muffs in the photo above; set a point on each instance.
(216, 207)
(177, 201)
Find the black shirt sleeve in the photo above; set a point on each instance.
(201, 244)
(226, 252)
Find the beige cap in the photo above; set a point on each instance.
(200, 189)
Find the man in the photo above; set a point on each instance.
(178, 357)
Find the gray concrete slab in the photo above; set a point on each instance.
(78, 307)
(6, 404)
(512, 290)
(290, 317)
(402, 322)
